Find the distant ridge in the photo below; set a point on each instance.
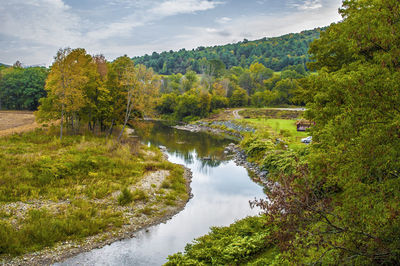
(275, 53)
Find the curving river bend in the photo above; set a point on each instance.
(221, 193)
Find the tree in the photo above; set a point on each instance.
(21, 88)
(98, 107)
(215, 68)
(17, 64)
(246, 82)
(285, 89)
(264, 98)
(341, 206)
(259, 73)
(140, 86)
(167, 104)
(239, 98)
(190, 80)
(117, 91)
(70, 73)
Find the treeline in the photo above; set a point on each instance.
(191, 96)
(274, 53)
(87, 90)
(21, 88)
(90, 92)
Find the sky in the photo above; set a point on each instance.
(32, 31)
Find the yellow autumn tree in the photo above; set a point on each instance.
(70, 74)
(141, 87)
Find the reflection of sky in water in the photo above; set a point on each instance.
(221, 196)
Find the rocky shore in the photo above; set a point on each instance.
(68, 249)
(202, 128)
(217, 128)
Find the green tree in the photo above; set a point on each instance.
(264, 98)
(21, 88)
(167, 104)
(239, 98)
(285, 89)
(190, 80)
(342, 206)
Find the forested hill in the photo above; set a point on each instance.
(275, 53)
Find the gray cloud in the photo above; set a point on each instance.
(33, 30)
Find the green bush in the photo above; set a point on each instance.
(125, 197)
(232, 245)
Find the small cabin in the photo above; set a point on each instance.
(303, 124)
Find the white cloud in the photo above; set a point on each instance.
(112, 30)
(174, 7)
(147, 15)
(223, 20)
(260, 26)
(40, 21)
(308, 5)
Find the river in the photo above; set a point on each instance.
(221, 193)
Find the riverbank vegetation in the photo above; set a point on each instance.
(339, 202)
(56, 190)
(243, 243)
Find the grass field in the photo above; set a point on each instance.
(283, 128)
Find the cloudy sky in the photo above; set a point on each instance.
(33, 30)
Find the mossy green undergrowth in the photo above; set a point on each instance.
(52, 190)
(245, 242)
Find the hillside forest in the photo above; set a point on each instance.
(274, 53)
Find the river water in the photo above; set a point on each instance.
(221, 193)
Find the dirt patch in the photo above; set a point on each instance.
(16, 122)
(276, 113)
(224, 114)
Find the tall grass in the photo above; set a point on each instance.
(67, 187)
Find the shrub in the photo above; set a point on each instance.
(125, 197)
(232, 245)
(139, 195)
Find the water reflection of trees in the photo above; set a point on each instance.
(188, 157)
(184, 144)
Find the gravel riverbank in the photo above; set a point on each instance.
(68, 249)
(226, 128)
